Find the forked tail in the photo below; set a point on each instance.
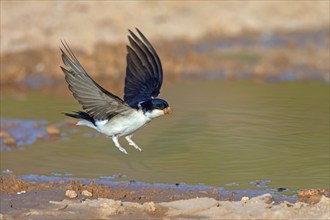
(81, 115)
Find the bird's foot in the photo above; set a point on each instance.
(135, 146)
(115, 140)
(122, 149)
(132, 143)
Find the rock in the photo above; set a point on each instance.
(245, 199)
(149, 207)
(312, 196)
(214, 191)
(4, 134)
(53, 131)
(86, 193)
(8, 139)
(21, 192)
(266, 198)
(312, 192)
(71, 194)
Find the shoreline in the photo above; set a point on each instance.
(60, 199)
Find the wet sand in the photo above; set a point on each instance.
(21, 199)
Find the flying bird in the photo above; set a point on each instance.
(106, 112)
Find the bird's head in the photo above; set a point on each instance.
(154, 108)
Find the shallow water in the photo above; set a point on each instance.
(227, 134)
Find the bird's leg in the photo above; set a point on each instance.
(131, 142)
(115, 140)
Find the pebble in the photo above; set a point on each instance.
(53, 131)
(21, 192)
(71, 194)
(311, 192)
(149, 207)
(245, 199)
(8, 139)
(86, 193)
(215, 191)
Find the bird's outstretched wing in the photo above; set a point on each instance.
(95, 100)
(144, 74)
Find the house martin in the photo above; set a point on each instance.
(106, 112)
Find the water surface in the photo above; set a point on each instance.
(221, 134)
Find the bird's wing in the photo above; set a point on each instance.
(144, 74)
(95, 100)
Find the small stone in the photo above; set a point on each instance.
(245, 199)
(53, 131)
(71, 194)
(21, 192)
(312, 192)
(4, 134)
(149, 207)
(86, 193)
(214, 191)
(266, 198)
(10, 141)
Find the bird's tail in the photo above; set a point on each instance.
(81, 115)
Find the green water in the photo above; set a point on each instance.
(219, 133)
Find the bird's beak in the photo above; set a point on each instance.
(167, 111)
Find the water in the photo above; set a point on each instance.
(227, 134)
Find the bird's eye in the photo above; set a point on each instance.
(159, 105)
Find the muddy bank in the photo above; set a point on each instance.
(88, 23)
(258, 56)
(263, 41)
(22, 199)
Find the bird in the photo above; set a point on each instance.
(107, 113)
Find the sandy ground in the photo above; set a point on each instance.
(74, 200)
(87, 22)
(179, 30)
(254, 208)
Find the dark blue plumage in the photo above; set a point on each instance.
(106, 112)
(144, 74)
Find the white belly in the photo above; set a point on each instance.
(122, 126)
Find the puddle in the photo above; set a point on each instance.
(221, 133)
(23, 132)
(16, 133)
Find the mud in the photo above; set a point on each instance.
(19, 133)
(242, 41)
(265, 58)
(21, 199)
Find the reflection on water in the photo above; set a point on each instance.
(229, 134)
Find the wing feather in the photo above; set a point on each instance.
(95, 100)
(144, 74)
